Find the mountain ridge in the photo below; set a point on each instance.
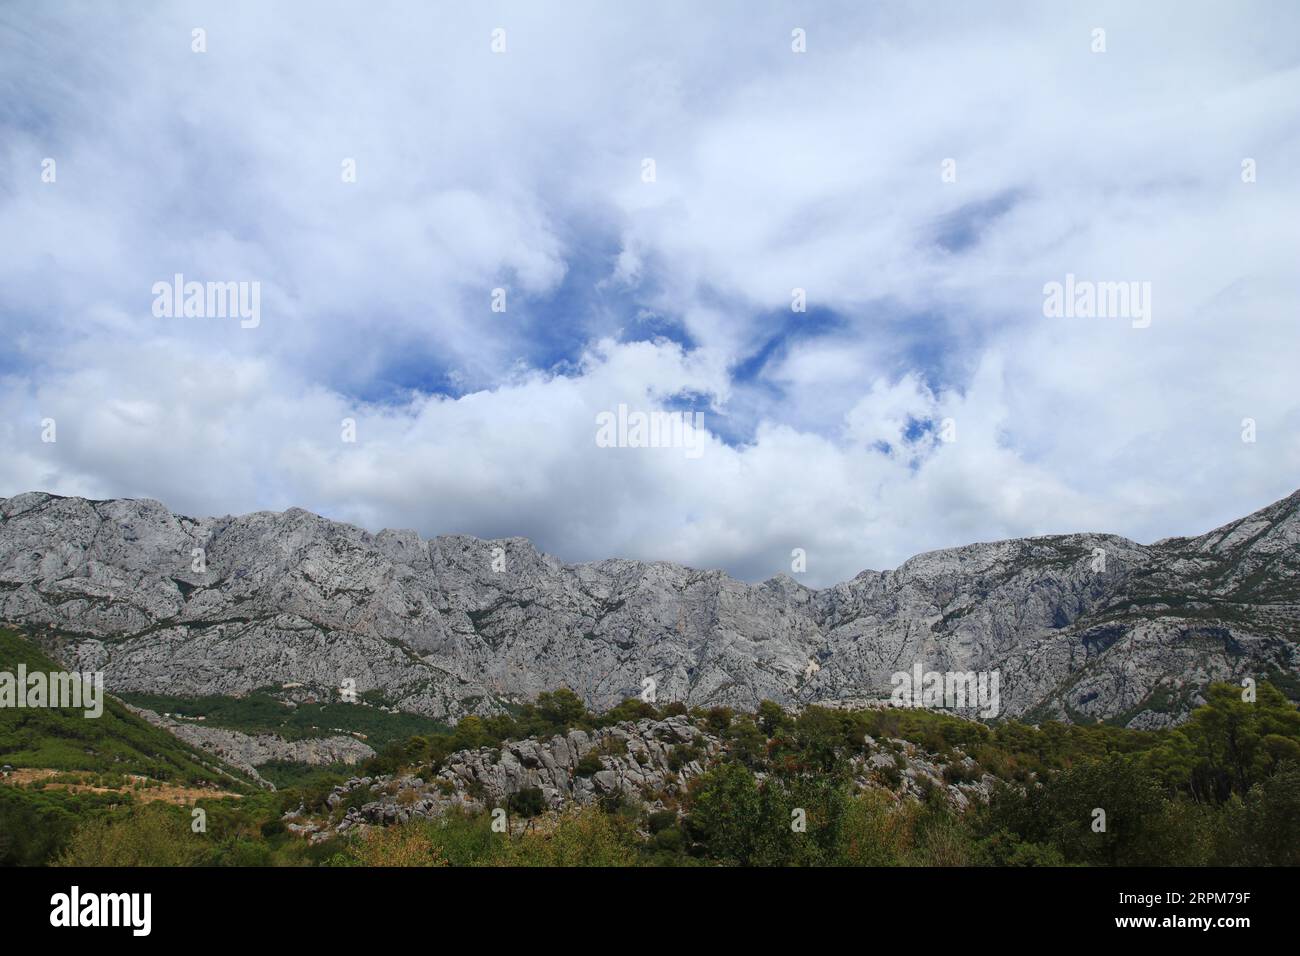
(454, 624)
(1290, 504)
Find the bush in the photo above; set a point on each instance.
(612, 746)
(661, 820)
(631, 709)
(155, 834)
(465, 839)
(35, 826)
(589, 764)
(528, 802)
(408, 844)
(681, 755)
(580, 838)
(888, 777)
(875, 832)
(956, 772)
(671, 841)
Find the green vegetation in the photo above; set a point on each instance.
(285, 774)
(1221, 789)
(578, 838)
(35, 824)
(245, 832)
(117, 741)
(260, 713)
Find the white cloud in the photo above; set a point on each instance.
(775, 170)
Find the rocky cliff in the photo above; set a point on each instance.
(1079, 627)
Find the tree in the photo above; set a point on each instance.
(1263, 828)
(470, 734)
(561, 709)
(725, 811)
(1139, 829)
(771, 718)
(1236, 742)
(748, 745)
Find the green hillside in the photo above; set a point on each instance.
(260, 713)
(115, 742)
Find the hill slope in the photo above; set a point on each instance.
(116, 742)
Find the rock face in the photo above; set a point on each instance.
(247, 752)
(1078, 626)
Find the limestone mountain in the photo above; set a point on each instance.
(1079, 627)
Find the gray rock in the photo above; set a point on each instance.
(292, 598)
(247, 752)
(473, 780)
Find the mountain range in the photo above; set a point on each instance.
(1080, 627)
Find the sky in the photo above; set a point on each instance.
(645, 187)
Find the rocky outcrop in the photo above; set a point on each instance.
(247, 752)
(636, 761)
(1079, 627)
(644, 762)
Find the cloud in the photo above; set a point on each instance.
(774, 171)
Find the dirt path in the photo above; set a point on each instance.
(169, 793)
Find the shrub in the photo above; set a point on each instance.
(528, 802)
(155, 834)
(661, 820)
(465, 839)
(589, 764)
(633, 708)
(888, 777)
(612, 746)
(671, 841)
(960, 773)
(580, 838)
(681, 755)
(408, 844)
(875, 832)
(718, 719)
